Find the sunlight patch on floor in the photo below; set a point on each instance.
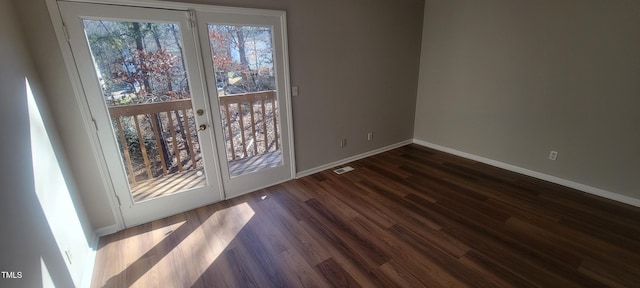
(154, 236)
(201, 247)
(129, 249)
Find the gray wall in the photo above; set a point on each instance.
(26, 240)
(356, 63)
(511, 80)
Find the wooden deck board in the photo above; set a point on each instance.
(182, 181)
(252, 164)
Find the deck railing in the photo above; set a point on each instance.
(168, 125)
(168, 128)
(256, 114)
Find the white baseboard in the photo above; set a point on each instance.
(553, 179)
(352, 158)
(106, 230)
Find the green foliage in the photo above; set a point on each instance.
(126, 100)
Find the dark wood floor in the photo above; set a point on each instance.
(411, 217)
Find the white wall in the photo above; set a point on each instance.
(38, 216)
(42, 44)
(512, 80)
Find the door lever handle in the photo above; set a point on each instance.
(202, 127)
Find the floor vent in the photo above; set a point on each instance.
(343, 170)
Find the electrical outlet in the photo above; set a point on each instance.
(343, 142)
(369, 136)
(553, 155)
(294, 91)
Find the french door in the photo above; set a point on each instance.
(176, 130)
(246, 71)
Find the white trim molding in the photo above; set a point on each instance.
(553, 179)
(182, 6)
(106, 230)
(352, 158)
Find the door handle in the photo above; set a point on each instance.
(202, 127)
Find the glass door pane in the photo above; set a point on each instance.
(245, 75)
(143, 78)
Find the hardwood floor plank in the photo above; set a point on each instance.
(400, 276)
(568, 238)
(396, 204)
(344, 235)
(409, 217)
(336, 275)
(355, 197)
(517, 263)
(448, 263)
(521, 258)
(363, 275)
(229, 270)
(544, 243)
(609, 274)
(258, 253)
(299, 271)
(306, 244)
(405, 253)
(501, 276)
